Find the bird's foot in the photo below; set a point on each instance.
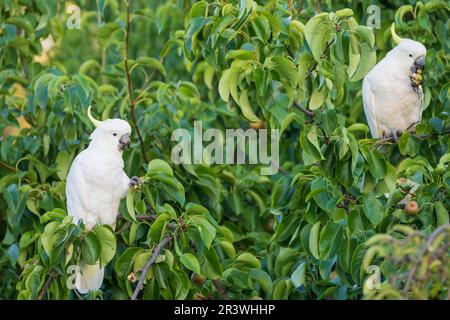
(393, 134)
(396, 134)
(412, 127)
(136, 183)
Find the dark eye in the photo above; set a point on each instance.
(114, 134)
(410, 55)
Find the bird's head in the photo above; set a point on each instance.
(111, 134)
(410, 54)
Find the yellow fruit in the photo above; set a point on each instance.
(258, 125)
(198, 279)
(269, 224)
(412, 208)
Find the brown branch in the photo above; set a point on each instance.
(130, 85)
(315, 64)
(304, 110)
(446, 132)
(12, 169)
(310, 71)
(149, 263)
(24, 66)
(125, 226)
(221, 289)
(425, 248)
(46, 285)
(7, 166)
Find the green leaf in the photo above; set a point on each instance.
(228, 248)
(205, 228)
(159, 166)
(286, 70)
(105, 32)
(442, 216)
(314, 240)
(246, 108)
(367, 59)
(298, 277)
(263, 279)
(408, 145)
(129, 201)
(91, 249)
(318, 31)
(107, 240)
(249, 259)
(190, 262)
(152, 63)
(373, 209)
(199, 9)
(47, 237)
(318, 98)
(212, 265)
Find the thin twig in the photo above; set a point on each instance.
(46, 285)
(417, 136)
(315, 64)
(308, 74)
(304, 110)
(221, 289)
(130, 85)
(7, 166)
(445, 227)
(149, 263)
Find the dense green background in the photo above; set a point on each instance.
(300, 234)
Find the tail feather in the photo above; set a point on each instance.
(90, 277)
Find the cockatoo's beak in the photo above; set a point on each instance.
(417, 71)
(124, 142)
(420, 63)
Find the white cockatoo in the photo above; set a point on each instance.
(95, 185)
(392, 91)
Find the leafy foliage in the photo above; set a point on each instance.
(309, 232)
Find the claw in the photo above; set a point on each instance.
(135, 181)
(395, 135)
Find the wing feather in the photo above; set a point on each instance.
(77, 191)
(370, 107)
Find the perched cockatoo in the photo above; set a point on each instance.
(95, 185)
(392, 91)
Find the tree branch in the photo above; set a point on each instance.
(431, 238)
(46, 285)
(418, 136)
(304, 110)
(315, 64)
(308, 74)
(149, 263)
(130, 85)
(221, 289)
(7, 166)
